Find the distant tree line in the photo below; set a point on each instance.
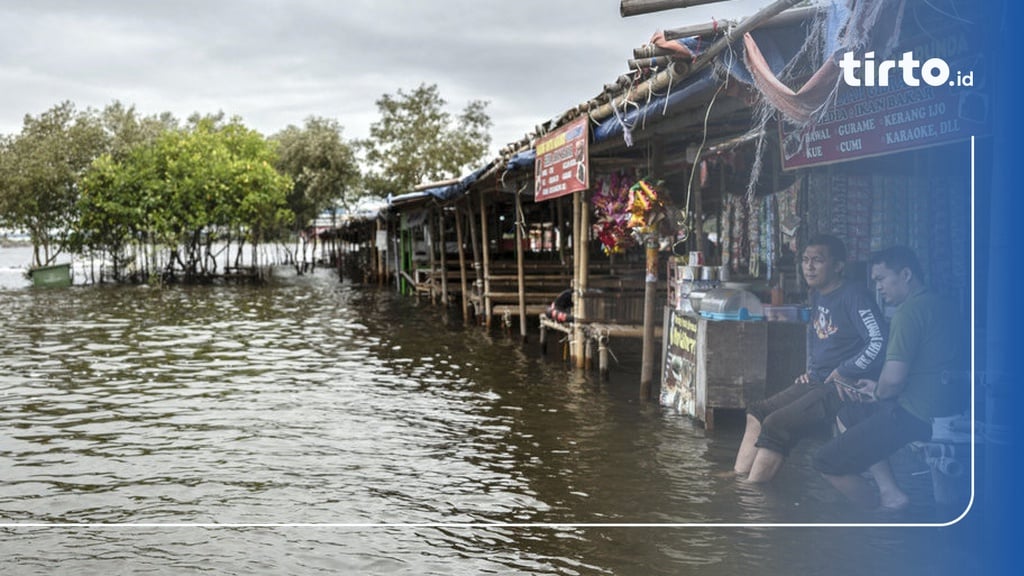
(161, 199)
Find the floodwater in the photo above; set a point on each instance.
(341, 429)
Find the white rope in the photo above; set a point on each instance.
(704, 139)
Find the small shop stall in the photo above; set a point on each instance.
(725, 349)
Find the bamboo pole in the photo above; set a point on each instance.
(649, 62)
(584, 235)
(560, 215)
(462, 265)
(785, 18)
(485, 248)
(678, 70)
(428, 235)
(650, 290)
(651, 51)
(478, 283)
(520, 272)
(746, 25)
(442, 246)
(698, 209)
(650, 295)
(629, 8)
(381, 271)
(576, 353)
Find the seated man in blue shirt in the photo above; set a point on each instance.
(845, 343)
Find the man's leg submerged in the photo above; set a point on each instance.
(891, 497)
(758, 411)
(855, 488)
(747, 451)
(766, 464)
(884, 432)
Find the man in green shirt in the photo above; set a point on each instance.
(926, 346)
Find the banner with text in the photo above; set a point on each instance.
(872, 119)
(562, 164)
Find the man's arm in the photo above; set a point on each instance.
(871, 355)
(892, 380)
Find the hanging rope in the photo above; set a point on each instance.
(700, 149)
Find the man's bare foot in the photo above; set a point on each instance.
(894, 502)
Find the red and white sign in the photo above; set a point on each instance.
(562, 161)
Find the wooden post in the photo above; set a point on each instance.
(428, 236)
(478, 283)
(651, 288)
(583, 235)
(380, 254)
(650, 295)
(602, 356)
(520, 222)
(576, 353)
(698, 211)
(718, 223)
(629, 8)
(462, 265)
(560, 227)
(543, 339)
(442, 247)
(485, 247)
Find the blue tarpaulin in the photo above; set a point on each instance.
(524, 159)
(699, 84)
(441, 193)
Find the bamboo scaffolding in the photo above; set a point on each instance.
(678, 70)
(629, 8)
(648, 62)
(784, 18)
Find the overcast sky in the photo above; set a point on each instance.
(275, 63)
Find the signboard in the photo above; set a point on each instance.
(876, 120)
(562, 163)
(679, 380)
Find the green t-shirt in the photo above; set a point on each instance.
(925, 334)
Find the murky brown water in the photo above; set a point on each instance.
(145, 411)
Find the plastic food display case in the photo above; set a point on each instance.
(731, 304)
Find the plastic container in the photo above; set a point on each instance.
(731, 304)
(787, 313)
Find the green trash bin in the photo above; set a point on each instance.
(51, 276)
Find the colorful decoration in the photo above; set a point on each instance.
(646, 207)
(626, 212)
(611, 203)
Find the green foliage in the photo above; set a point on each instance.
(126, 129)
(182, 190)
(39, 173)
(321, 164)
(416, 141)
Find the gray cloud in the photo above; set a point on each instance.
(275, 63)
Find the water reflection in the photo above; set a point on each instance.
(310, 401)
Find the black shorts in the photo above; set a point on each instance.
(872, 435)
(793, 414)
